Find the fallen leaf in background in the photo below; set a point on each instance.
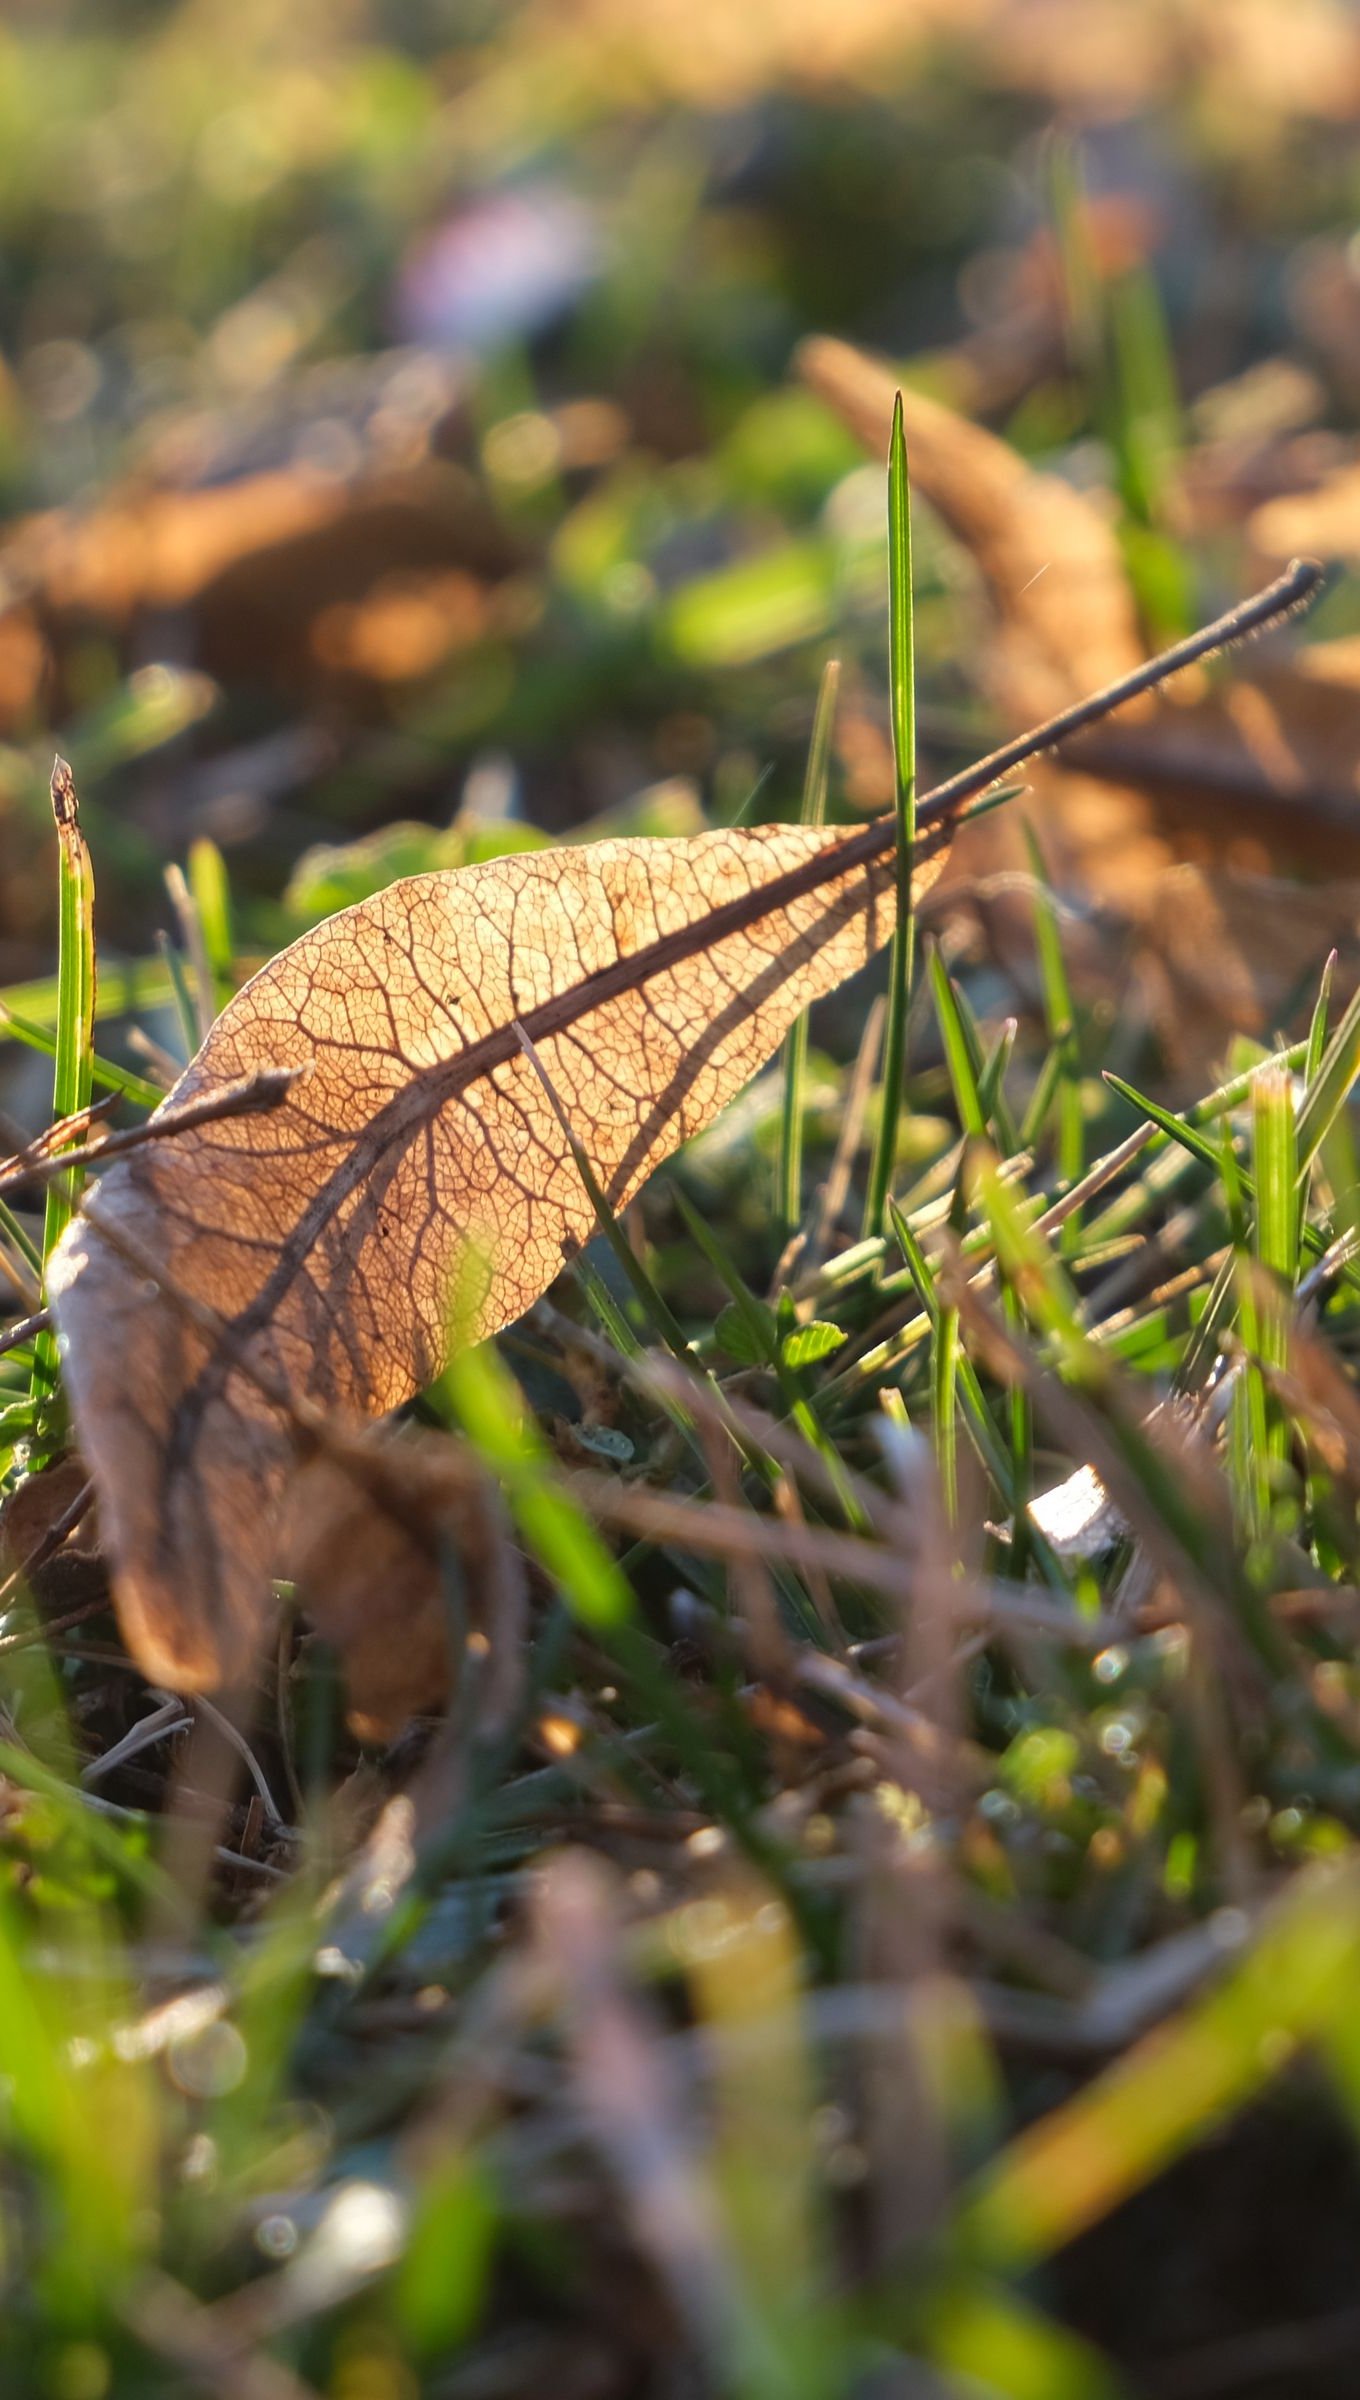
(1048, 555)
(1188, 818)
(380, 1559)
(1327, 518)
(369, 1579)
(291, 578)
(1278, 59)
(49, 1537)
(325, 1243)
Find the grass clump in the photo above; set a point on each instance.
(857, 1861)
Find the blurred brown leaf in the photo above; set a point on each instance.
(1049, 556)
(369, 1579)
(1325, 519)
(1184, 816)
(314, 1256)
(289, 578)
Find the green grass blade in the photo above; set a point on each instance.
(1317, 1031)
(1188, 1134)
(1275, 1154)
(104, 1074)
(983, 1433)
(1330, 1082)
(1265, 1297)
(211, 893)
(763, 1343)
(945, 1402)
(73, 1071)
(790, 1174)
(182, 993)
(1061, 1018)
(992, 1086)
(959, 1054)
(902, 695)
(485, 1401)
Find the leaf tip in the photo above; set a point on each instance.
(65, 806)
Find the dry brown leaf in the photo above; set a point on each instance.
(1167, 819)
(369, 1577)
(291, 577)
(313, 1254)
(375, 1541)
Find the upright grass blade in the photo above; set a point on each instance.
(212, 899)
(790, 1182)
(983, 1433)
(1329, 1079)
(902, 695)
(73, 1073)
(1265, 1295)
(182, 993)
(1317, 1031)
(485, 1402)
(962, 1063)
(1060, 1015)
(958, 1048)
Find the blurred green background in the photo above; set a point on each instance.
(395, 406)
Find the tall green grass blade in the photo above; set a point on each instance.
(990, 1448)
(1275, 1151)
(73, 1069)
(789, 1197)
(1199, 1146)
(946, 1350)
(992, 1086)
(902, 697)
(1061, 1018)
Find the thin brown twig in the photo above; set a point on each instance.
(23, 1329)
(248, 1095)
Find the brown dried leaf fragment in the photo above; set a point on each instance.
(312, 1254)
(369, 1578)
